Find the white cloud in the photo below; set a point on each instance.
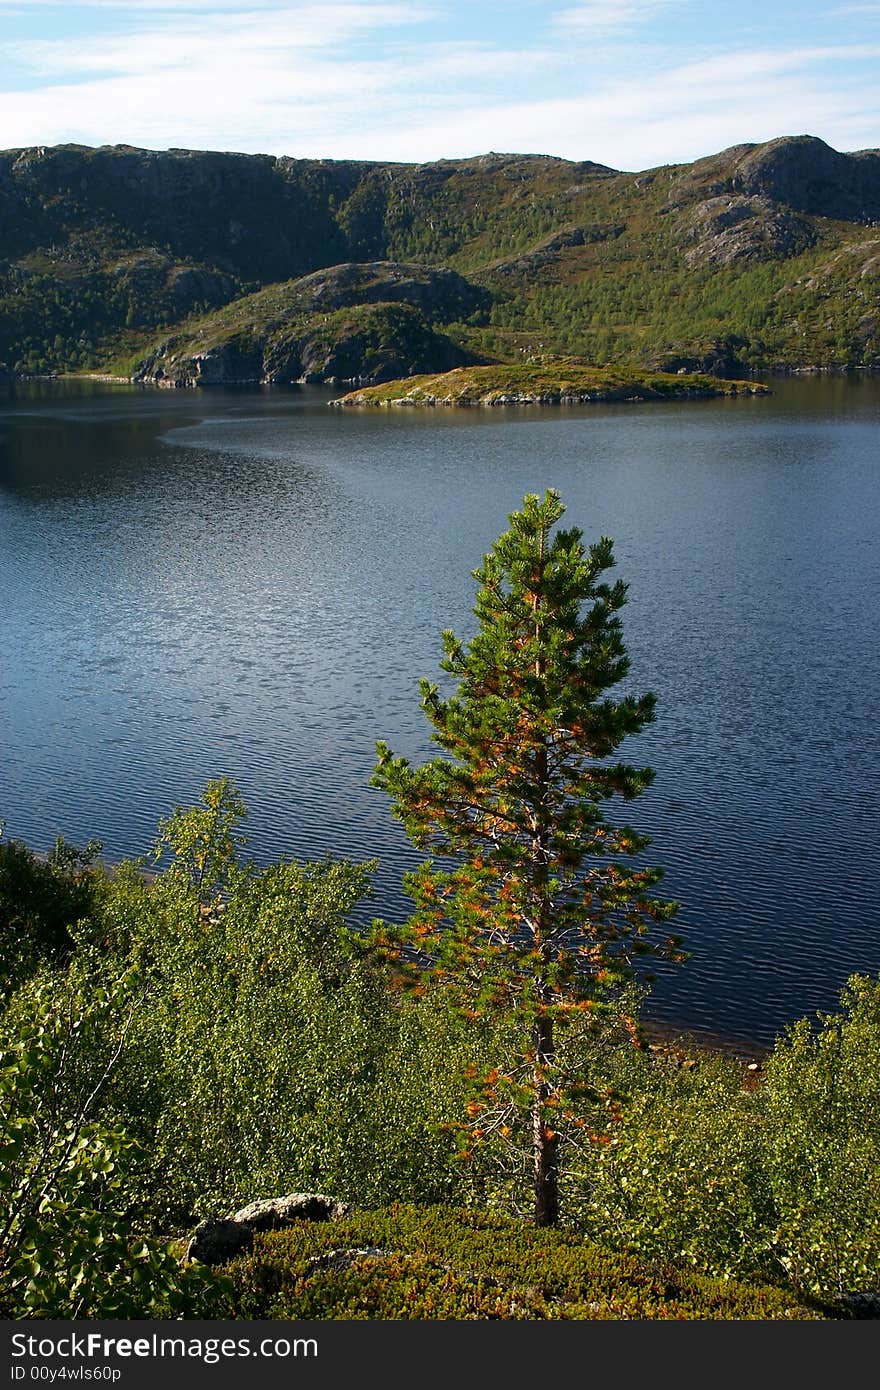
(141, 7)
(683, 113)
(353, 80)
(231, 39)
(108, 8)
(602, 18)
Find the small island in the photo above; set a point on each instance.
(557, 383)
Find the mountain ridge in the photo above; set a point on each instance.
(760, 257)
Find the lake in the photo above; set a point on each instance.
(250, 583)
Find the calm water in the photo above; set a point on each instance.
(249, 583)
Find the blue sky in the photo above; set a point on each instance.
(630, 83)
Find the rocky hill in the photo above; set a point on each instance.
(369, 321)
(758, 257)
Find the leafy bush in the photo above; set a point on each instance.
(267, 1053)
(213, 1033)
(65, 1249)
(820, 1106)
(681, 1177)
(40, 902)
(782, 1178)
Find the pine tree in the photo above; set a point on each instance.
(539, 915)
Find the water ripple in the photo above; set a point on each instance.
(252, 585)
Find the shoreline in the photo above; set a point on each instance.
(678, 1039)
(357, 384)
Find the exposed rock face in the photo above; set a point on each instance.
(858, 262)
(732, 227)
(223, 365)
(216, 1241)
(716, 358)
(545, 252)
(441, 295)
(270, 1213)
(341, 1260)
(808, 175)
(193, 284)
(350, 322)
(394, 342)
(147, 279)
(255, 217)
(248, 215)
(862, 1305)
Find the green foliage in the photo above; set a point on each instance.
(454, 1264)
(376, 341)
(751, 1181)
(541, 916)
(101, 248)
(203, 843)
(77, 311)
(819, 1105)
(66, 1250)
(346, 322)
(41, 900)
(267, 1054)
(245, 1048)
(214, 1031)
(681, 1177)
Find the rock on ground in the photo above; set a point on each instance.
(217, 1240)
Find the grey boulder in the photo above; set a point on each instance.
(217, 1240)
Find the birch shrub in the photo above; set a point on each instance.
(680, 1177)
(781, 1181)
(821, 1113)
(67, 1250)
(269, 1054)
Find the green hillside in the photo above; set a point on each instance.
(759, 257)
(369, 319)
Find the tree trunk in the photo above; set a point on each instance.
(544, 1140)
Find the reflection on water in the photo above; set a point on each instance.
(251, 583)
